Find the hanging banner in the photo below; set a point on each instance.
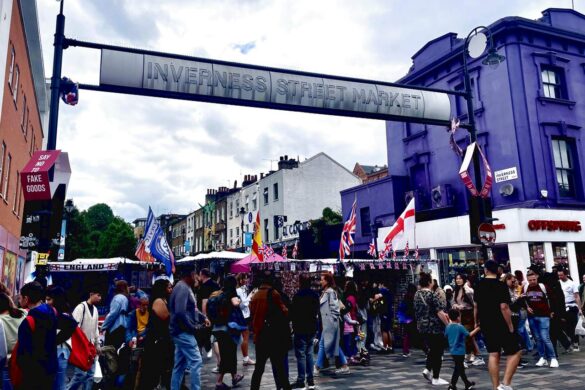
(181, 77)
(466, 177)
(84, 267)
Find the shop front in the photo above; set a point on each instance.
(547, 237)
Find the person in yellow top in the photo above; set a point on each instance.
(137, 321)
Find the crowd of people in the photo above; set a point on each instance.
(153, 341)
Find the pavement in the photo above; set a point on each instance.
(399, 373)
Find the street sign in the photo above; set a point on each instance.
(28, 242)
(487, 233)
(42, 259)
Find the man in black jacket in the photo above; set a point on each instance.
(305, 318)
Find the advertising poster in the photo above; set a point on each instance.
(19, 274)
(9, 270)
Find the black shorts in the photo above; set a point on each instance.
(502, 340)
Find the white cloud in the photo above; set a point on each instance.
(132, 152)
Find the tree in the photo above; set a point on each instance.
(331, 217)
(328, 218)
(97, 233)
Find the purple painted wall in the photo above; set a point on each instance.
(516, 123)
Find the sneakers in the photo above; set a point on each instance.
(310, 387)
(439, 382)
(237, 379)
(215, 370)
(504, 387)
(406, 355)
(342, 371)
(554, 363)
(452, 387)
(248, 362)
(298, 385)
(427, 374)
(316, 372)
(375, 347)
(470, 386)
(478, 361)
(541, 362)
(576, 348)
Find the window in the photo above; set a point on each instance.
(276, 231)
(266, 228)
(265, 195)
(231, 233)
(275, 190)
(2, 155)
(254, 204)
(32, 141)
(365, 221)
(563, 158)
(231, 210)
(11, 71)
(15, 206)
(15, 86)
(23, 119)
(553, 83)
(6, 177)
(237, 232)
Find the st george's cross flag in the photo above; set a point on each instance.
(403, 230)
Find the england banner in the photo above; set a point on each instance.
(402, 233)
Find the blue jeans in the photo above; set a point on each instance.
(541, 328)
(304, 355)
(82, 380)
(321, 355)
(523, 332)
(63, 353)
(6, 384)
(187, 357)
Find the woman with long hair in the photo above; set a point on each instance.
(11, 318)
(245, 297)
(157, 361)
(65, 326)
(463, 301)
(330, 314)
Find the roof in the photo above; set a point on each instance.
(328, 157)
(369, 169)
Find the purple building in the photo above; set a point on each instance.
(530, 114)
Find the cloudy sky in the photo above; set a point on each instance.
(131, 152)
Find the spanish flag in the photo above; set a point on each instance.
(257, 239)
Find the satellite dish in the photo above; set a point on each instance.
(477, 45)
(506, 190)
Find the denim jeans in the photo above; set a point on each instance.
(82, 380)
(63, 353)
(6, 384)
(321, 355)
(304, 355)
(523, 332)
(187, 357)
(541, 328)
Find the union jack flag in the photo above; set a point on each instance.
(406, 251)
(393, 255)
(295, 251)
(285, 252)
(372, 249)
(382, 255)
(416, 254)
(348, 230)
(268, 251)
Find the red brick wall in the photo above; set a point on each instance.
(11, 132)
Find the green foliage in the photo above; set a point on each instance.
(331, 217)
(97, 233)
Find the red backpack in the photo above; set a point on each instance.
(83, 352)
(14, 370)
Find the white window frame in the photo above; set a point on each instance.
(11, 71)
(15, 89)
(6, 184)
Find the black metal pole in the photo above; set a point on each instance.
(478, 201)
(56, 80)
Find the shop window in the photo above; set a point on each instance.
(553, 84)
(536, 250)
(365, 221)
(564, 163)
(560, 253)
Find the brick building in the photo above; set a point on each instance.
(24, 107)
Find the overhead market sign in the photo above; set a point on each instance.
(229, 83)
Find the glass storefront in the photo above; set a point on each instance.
(560, 253)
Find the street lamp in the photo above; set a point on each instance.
(242, 212)
(476, 43)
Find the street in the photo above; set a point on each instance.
(398, 373)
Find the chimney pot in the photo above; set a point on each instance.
(286, 157)
(281, 158)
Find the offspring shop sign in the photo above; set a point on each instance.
(553, 226)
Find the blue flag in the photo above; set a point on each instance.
(156, 243)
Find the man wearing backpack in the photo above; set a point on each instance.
(87, 316)
(539, 313)
(36, 352)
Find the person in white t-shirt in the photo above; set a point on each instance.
(572, 305)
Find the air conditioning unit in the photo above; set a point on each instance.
(442, 196)
(419, 199)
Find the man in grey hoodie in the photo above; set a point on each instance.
(185, 319)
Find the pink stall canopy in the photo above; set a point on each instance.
(244, 264)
